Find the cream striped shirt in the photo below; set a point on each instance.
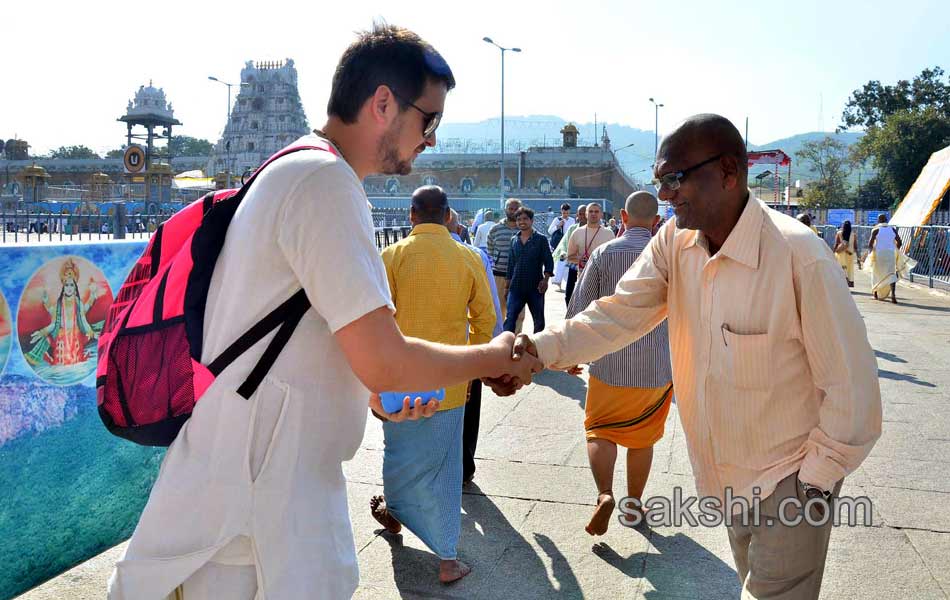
(771, 363)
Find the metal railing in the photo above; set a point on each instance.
(82, 222)
(387, 236)
(928, 245)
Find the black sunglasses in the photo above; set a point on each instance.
(672, 181)
(432, 119)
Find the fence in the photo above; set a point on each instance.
(98, 225)
(929, 246)
(83, 222)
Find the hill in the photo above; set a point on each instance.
(634, 147)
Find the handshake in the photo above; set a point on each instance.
(516, 361)
(508, 362)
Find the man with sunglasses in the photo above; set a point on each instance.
(775, 380)
(251, 498)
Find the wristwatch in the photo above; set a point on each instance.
(813, 491)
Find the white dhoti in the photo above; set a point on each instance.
(887, 266)
(560, 271)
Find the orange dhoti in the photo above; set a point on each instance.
(631, 417)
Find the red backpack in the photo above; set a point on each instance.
(149, 375)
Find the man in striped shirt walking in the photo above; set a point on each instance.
(629, 392)
(499, 249)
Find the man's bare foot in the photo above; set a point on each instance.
(453, 570)
(601, 519)
(377, 504)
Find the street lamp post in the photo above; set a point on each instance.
(656, 126)
(227, 144)
(503, 50)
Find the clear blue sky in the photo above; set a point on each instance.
(70, 68)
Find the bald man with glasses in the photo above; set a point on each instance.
(775, 380)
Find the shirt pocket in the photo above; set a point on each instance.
(267, 416)
(746, 359)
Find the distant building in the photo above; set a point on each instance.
(541, 176)
(267, 115)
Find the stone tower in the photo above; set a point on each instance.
(267, 115)
(570, 136)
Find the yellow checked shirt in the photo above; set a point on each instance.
(439, 287)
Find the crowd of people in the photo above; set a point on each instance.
(251, 499)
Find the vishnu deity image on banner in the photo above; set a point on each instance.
(60, 317)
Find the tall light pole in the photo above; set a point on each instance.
(227, 145)
(503, 50)
(656, 126)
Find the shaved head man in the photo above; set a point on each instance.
(640, 210)
(630, 390)
(776, 383)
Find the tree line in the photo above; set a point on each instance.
(180, 145)
(904, 124)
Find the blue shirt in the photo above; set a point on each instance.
(491, 282)
(526, 261)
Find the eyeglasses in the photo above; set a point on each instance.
(432, 119)
(672, 181)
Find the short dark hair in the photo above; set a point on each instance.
(565, 206)
(524, 210)
(430, 203)
(390, 56)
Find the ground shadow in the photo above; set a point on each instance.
(927, 307)
(889, 357)
(566, 385)
(884, 374)
(416, 572)
(519, 568)
(680, 567)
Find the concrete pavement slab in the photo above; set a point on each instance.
(932, 548)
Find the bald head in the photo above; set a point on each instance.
(707, 135)
(429, 205)
(453, 223)
(702, 169)
(641, 206)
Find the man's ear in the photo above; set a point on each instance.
(624, 216)
(730, 172)
(383, 106)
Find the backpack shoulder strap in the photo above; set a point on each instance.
(324, 146)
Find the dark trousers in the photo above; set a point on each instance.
(473, 409)
(571, 282)
(517, 299)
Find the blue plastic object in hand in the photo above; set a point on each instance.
(392, 401)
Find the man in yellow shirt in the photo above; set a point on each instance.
(440, 290)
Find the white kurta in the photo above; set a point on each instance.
(270, 468)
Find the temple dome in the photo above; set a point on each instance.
(150, 100)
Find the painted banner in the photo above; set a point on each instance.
(70, 489)
(874, 214)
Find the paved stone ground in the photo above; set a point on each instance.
(523, 521)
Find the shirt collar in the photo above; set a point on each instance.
(636, 232)
(456, 237)
(430, 228)
(742, 245)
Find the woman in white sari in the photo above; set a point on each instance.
(846, 251)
